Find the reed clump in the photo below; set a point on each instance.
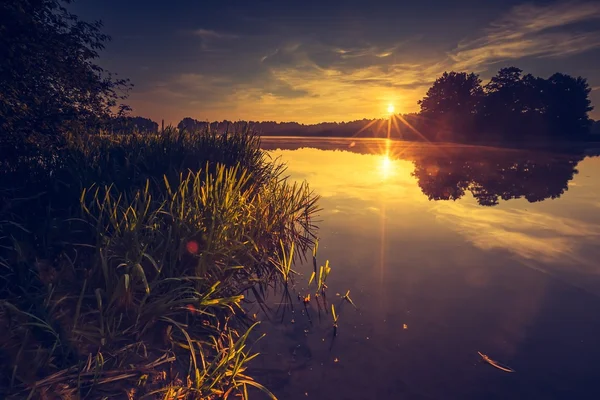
(125, 263)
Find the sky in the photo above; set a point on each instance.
(330, 60)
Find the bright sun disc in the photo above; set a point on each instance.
(390, 108)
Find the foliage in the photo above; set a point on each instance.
(512, 107)
(453, 101)
(568, 104)
(129, 125)
(595, 129)
(359, 128)
(48, 80)
(191, 124)
(520, 104)
(127, 260)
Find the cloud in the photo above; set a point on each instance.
(530, 30)
(530, 235)
(210, 96)
(301, 80)
(210, 34)
(323, 55)
(284, 73)
(347, 82)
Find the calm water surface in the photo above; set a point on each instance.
(447, 251)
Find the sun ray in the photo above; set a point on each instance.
(366, 127)
(396, 126)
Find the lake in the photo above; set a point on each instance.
(447, 251)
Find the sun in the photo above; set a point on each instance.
(390, 108)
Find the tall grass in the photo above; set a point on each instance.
(126, 263)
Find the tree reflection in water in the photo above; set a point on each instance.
(494, 175)
(448, 172)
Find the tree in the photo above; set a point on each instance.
(49, 82)
(522, 106)
(512, 107)
(505, 104)
(128, 125)
(567, 105)
(595, 129)
(191, 124)
(504, 92)
(453, 102)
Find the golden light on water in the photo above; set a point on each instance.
(386, 166)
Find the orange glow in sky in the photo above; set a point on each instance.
(337, 64)
(332, 97)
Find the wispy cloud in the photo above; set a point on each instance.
(210, 34)
(370, 51)
(338, 74)
(532, 236)
(531, 30)
(209, 38)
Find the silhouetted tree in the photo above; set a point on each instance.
(48, 79)
(595, 130)
(567, 105)
(190, 124)
(507, 88)
(128, 125)
(504, 103)
(453, 102)
(359, 128)
(512, 107)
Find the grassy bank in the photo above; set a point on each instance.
(126, 261)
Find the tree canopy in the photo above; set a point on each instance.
(512, 106)
(49, 81)
(452, 102)
(454, 93)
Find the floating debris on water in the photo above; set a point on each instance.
(495, 363)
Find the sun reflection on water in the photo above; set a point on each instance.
(386, 167)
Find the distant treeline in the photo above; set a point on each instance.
(359, 128)
(407, 127)
(125, 124)
(511, 107)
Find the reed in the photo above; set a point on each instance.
(126, 264)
